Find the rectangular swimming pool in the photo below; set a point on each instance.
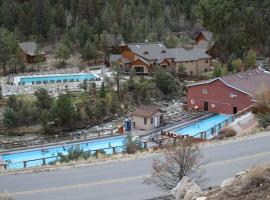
(54, 78)
(204, 125)
(15, 160)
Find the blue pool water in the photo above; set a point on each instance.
(204, 125)
(16, 159)
(57, 78)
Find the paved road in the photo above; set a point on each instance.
(123, 180)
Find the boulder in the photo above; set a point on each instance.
(186, 189)
(226, 182)
(201, 198)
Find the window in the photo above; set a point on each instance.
(145, 121)
(232, 95)
(152, 120)
(205, 91)
(206, 61)
(205, 70)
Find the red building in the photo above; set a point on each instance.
(229, 94)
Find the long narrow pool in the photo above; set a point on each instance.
(54, 78)
(15, 159)
(204, 125)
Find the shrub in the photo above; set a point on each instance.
(74, 153)
(227, 132)
(5, 197)
(264, 119)
(257, 176)
(132, 146)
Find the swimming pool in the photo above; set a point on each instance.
(15, 160)
(204, 125)
(54, 78)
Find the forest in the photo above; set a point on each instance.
(96, 25)
(131, 20)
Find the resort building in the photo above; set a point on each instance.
(30, 53)
(228, 94)
(144, 57)
(195, 61)
(147, 117)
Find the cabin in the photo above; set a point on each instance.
(229, 94)
(204, 36)
(30, 53)
(147, 117)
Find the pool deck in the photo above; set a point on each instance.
(177, 125)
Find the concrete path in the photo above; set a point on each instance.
(122, 180)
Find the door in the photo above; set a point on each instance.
(155, 121)
(235, 110)
(205, 107)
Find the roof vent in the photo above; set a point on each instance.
(239, 76)
(146, 52)
(257, 71)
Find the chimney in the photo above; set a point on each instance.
(242, 68)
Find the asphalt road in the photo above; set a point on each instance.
(122, 180)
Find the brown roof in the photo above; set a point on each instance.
(249, 82)
(145, 111)
(30, 48)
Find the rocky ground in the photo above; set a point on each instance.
(253, 184)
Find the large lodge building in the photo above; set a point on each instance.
(229, 94)
(144, 57)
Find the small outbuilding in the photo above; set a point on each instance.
(30, 53)
(147, 117)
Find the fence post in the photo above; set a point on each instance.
(43, 161)
(113, 150)
(24, 164)
(96, 153)
(145, 145)
(201, 135)
(205, 135)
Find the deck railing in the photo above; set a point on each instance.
(51, 159)
(213, 131)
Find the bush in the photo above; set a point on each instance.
(165, 81)
(257, 176)
(74, 154)
(227, 132)
(132, 146)
(264, 119)
(5, 197)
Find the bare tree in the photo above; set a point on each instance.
(181, 160)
